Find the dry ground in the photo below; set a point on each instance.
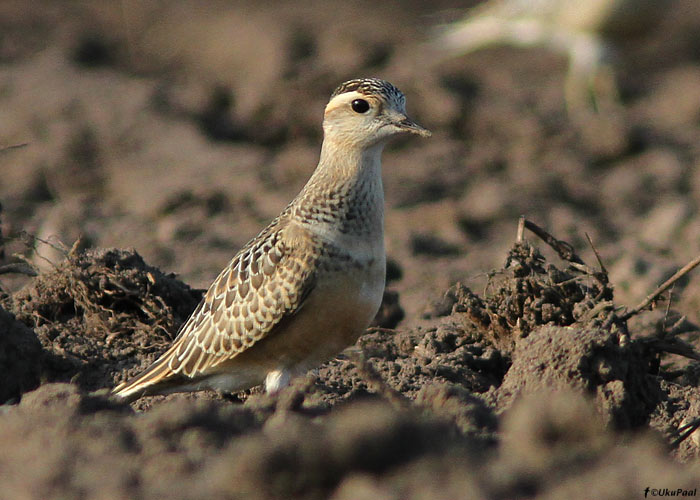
(165, 136)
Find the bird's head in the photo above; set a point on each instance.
(367, 111)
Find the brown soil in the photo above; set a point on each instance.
(496, 369)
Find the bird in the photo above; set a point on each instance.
(586, 31)
(309, 284)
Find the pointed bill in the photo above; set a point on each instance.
(410, 126)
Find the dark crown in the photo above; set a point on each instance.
(369, 86)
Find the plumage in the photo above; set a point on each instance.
(309, 284)
(588, 32)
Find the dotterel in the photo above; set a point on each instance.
(311, 282)
(586, 31)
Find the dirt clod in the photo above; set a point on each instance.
(502, 364)
(101, 312)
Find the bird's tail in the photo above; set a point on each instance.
(156, 379)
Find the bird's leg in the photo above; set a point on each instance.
(277, 380)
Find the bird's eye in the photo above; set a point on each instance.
(360, 106)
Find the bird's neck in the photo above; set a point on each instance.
(345, 180)
(342, 164)
(343, 169)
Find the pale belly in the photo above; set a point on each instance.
(334, 316)
(346, 297)
(350, 305)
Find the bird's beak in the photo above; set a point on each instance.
(405, 123)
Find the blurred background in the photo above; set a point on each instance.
(181, 128)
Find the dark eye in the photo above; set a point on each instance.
(360, 106)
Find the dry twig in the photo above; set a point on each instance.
(685, 431)
(597, 255)
(374, 380)
(563, 249)
(662, 288)
(18, 268)
(4, 149)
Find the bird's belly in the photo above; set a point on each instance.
(339, 312)
(352, 300)
(336, 313)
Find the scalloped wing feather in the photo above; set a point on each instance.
(268, 280)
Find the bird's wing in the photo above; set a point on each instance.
(268, 280)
